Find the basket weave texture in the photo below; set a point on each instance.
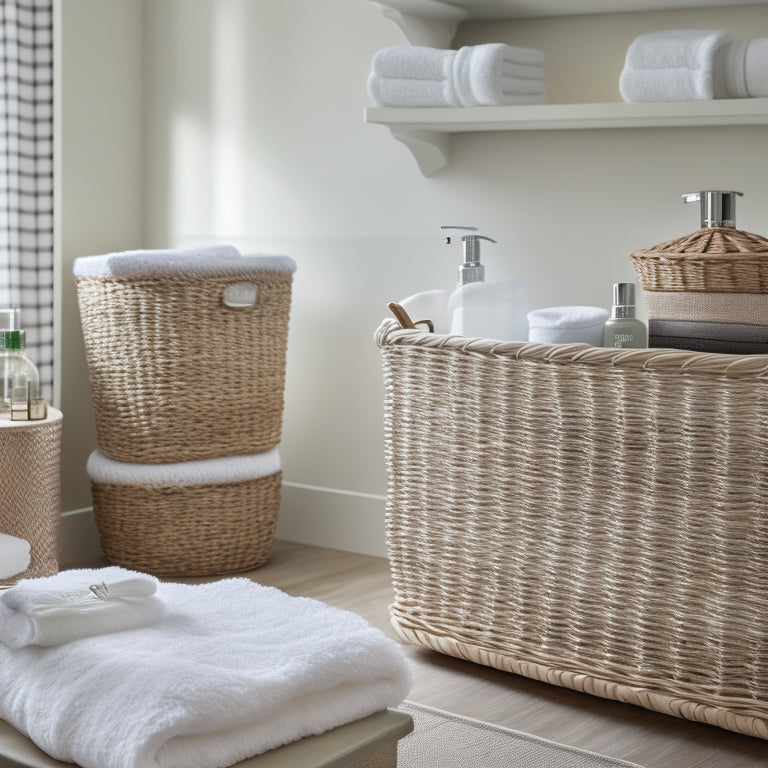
(30, 489)
(716, 259)
(158, 346)
(592, 518)
(195, 530)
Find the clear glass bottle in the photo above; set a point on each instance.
(20, 393)
(623, 329)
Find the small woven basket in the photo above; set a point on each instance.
(589, 517)
(156, 346)
(195, 530)
(30, 489)
(713, 259)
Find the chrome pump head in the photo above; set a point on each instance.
(718, 208)
(471, 270)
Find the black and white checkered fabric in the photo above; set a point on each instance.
(26, 174)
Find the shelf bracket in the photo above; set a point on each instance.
(427, 22)
(430, 149)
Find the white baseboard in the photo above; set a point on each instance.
(78, 539)
(321, 517)
(328, 517)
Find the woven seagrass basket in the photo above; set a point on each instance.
(195, 530)
(589, 517)
(30, 489)
(712, 259)
(158, 346)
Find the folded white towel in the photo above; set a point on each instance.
(756, 67)
(59, 609)
(208, 260)
(233, 669)
(428, 305)
(413, 62)
(479, 76)
(564, 325)
(14, 556)
(402, 92)
(230, 469)
(671, 65)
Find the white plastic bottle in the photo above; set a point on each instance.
(489, 310)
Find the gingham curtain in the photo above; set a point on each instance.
(26, 174)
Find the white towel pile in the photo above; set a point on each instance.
(231, 670)
(476, 75)
(14, 556)
(694, 65)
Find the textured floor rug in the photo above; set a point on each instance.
(443, 740)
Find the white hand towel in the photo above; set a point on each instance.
(232, 670)
(415, 62)
(479, 81)
(208, 260)
(756, 67)
(229, 469)
(428, 305)
(59, 609)
(401, 92)
(671, 65)
(14, 556)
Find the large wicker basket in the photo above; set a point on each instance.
(712, 259)
(589, 517)
(158, 346)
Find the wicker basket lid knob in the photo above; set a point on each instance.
(718, 207)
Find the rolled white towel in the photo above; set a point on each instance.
(565, 325)
(14, 556)
(402, 92)
(756, 67)
(478, 75)
(69, 606)
(417, 62)
(671, 65)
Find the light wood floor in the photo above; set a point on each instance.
(361, 584)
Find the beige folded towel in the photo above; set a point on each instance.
(749, 308)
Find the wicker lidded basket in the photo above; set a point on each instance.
(190, 519)
(589, 517)
(717, 258)
(166, 331)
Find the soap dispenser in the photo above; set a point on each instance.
(490, 310)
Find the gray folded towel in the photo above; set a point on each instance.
(729, 338)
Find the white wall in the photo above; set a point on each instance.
(254, 135)
(98, 204)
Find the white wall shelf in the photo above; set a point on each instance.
(427, 131)
(434, 22)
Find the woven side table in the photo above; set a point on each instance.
(30, 488)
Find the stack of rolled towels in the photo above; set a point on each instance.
(494, 74)
(694, 65)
